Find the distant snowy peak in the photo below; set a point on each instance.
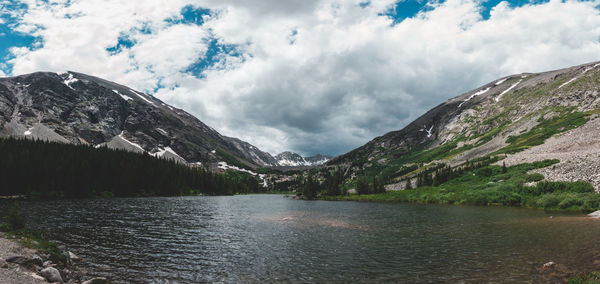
(290, 159)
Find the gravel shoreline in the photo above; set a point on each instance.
(14, 273)
(22, 265)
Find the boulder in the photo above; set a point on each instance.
(51, 274)
(97, 280)
(17, 259)
(37, 260)
(595, 214)
(47, 263)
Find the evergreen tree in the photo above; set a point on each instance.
(362, 187)
(408, 184)
(48, 169)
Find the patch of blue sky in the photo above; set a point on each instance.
(487, 6)
(190, 15)
(123, 42)
(215, 54)
(127, 40)
(10, 38)
(410, 8)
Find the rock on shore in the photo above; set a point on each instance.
(19, 264)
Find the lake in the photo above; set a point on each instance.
(271, 238)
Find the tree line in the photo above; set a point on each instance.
(58, 170)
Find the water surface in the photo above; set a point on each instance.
(270, 238)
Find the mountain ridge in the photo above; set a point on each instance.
(76, 108)
(291, 159)
(507, 116)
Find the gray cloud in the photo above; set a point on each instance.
(348, 76)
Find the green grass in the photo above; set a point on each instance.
(490, 185)
(565, 121)
(591, 278)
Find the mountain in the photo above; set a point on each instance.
(520, 118)
(80, 109)
(290, 159)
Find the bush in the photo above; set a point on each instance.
(570, 202)
(548, 201)
(559, 186)
(484, 172)
(534, 177)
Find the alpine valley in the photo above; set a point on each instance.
(525, 139)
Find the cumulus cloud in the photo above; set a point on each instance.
(308, 75)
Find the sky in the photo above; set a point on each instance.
(310, 76)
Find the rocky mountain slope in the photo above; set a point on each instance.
(290, 159)
(523, 117)
(81, 109)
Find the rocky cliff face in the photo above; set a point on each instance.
(514, 116)
(77, 108)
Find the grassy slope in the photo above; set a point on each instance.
(491, 185)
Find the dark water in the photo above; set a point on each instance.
(269, 238)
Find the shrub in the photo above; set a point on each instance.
(534, 177)
(570, 201)
(484, 172)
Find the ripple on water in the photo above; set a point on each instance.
(266, 239)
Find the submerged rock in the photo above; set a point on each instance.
(73, 257)
(548, 265)
(51, 274)
(97, 280)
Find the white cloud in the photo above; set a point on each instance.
(318, 75)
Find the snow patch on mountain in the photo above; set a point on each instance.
(131, 143)
(70, 80)
(508, 90)
(480, 92)
(501, 81)
(141, 97)
(125, 97)
(429, 131)
(567, 82)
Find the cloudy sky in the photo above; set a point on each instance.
(312, 76)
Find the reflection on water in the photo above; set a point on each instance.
(269, 238)
(304, 219)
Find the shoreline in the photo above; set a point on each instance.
(393, 197)
(20, 263)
